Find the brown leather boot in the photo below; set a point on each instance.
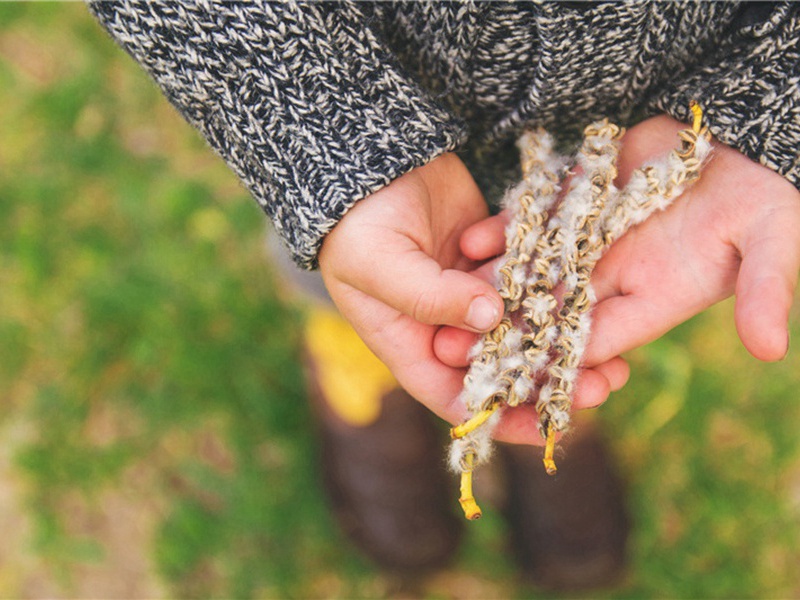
(568, 531)
(381, 455)
(388, 486)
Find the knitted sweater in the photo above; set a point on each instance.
(317, 105)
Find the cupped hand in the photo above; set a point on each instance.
(737, 230)
(395, 270)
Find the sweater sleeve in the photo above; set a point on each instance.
(301, 100)
(750, 88)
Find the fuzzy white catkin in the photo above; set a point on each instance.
(542, 172)
(552, 248)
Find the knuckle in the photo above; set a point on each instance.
(426, 308)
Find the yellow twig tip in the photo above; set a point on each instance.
(459, 431)
(549, 451)
(471, 509)
(697, 113)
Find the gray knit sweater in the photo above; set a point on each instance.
(317, 105)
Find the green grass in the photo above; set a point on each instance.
(141, 323)
(148, 363)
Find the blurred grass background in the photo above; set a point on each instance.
(154, 434)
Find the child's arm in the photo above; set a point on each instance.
(736, 231)
(301, 99)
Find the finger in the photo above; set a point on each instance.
(641, 303)
(616, 371)
(452, 346)
(622, 323)
(592, 389)
(520, 425)
(485, 239)
(405, 346)
(645, 142)
(413, 283)
(606, 277)
(765, 289)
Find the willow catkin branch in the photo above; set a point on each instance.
(554, 250)
(574, 242)
(528, 203)
(525, 235)
(498, 370)
(651, 188)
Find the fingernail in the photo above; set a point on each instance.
(482, 314)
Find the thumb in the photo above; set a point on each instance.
(416, 285)
(400, 247)
(765, 289)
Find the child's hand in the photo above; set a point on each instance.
(737, 230)
(394, 269)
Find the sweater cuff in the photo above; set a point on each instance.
(749, 92)
(301, 100)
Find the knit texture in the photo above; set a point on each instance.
(750, 89)
(317, 105)
(302, 101)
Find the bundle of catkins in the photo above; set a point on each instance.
(554, 239)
